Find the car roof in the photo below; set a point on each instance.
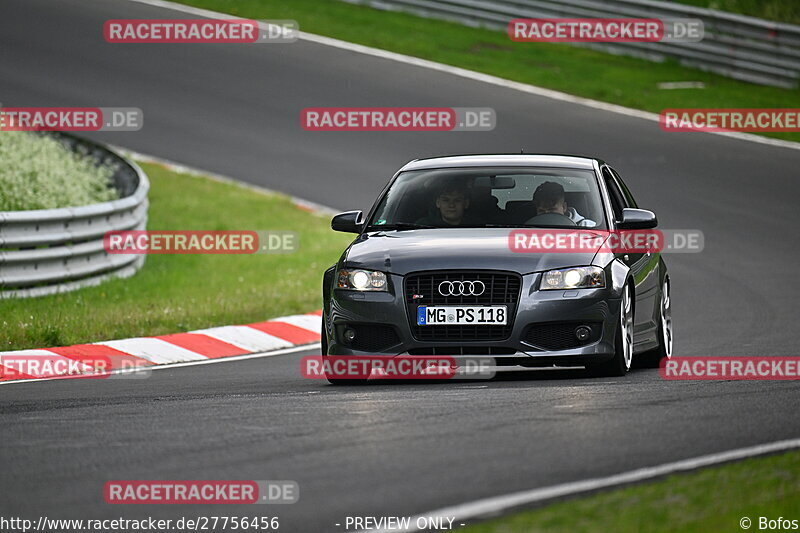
(503, 160)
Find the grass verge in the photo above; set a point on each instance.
(709, 500)
(620, 80)
(175, 293)
(778, 10)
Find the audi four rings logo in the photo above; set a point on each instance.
(461, 288)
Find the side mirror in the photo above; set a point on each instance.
(637, 219)
(348, 222)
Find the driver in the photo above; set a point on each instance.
(451, 204)
(550, 202)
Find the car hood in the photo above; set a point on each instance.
(402, 252)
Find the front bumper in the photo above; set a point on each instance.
(599, 307)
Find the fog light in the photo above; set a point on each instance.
(349, 335)
(582, 333)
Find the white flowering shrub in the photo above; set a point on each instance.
(38, 172)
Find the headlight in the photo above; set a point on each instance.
(361, 280)
(590, 277)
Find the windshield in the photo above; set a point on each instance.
(491, 197)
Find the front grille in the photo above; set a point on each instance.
(559, 336)
(373, 337)
(463, 350)
(501, 289)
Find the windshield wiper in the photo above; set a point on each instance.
(527, 226)
(399, 226)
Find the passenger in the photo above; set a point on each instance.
(451, 204)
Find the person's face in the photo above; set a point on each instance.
(452, 205)
(560, 207)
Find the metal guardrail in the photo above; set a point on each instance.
(45, 251)
(736, 46)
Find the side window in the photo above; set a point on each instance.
(617, 199)
(625, 191)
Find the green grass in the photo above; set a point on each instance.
(620, 80)
(705, 501)
(778, 10)
(174, 293)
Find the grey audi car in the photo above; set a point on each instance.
(433, 270)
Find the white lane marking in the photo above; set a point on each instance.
(246, 338)
(312, 323)
(472, 75)
(307, 347)
(154, 350)
(497, 504)
(41, 363)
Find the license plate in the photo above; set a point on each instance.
(461, 315)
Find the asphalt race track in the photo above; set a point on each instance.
(390, 449)
(376, 450)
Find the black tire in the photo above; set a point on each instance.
(616, 366)
(324, 350)
(339, 382)
(323, 339)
